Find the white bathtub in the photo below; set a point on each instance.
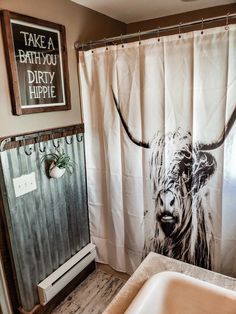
(175, 293)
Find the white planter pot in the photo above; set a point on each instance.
(56, 172)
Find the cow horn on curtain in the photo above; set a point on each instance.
(177, 97)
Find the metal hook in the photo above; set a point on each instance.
(105, 44)
(53, 142)
(158, 33)
(42, 150)
(121, 40)
(69, 142)
(180, 29)
(202, 27)
(79, 137)
(227, 21)
(30, 148)
(90, 46)
(139, 37)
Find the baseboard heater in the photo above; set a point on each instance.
(50, 286)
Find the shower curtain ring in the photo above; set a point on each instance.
(202, 27)
(90, 46)
(105, 43)
(139, 37)
(158, 33)
(180, 24)
(121, 40)
(42, 150)
(227, 21)
(79, 137)
(29, 152)
(54, 143)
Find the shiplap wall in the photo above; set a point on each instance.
(46, 226)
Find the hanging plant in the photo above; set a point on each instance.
(60, 163)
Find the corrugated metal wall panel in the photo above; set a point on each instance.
(49, 225)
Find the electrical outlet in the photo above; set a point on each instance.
(24, 184)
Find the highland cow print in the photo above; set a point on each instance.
(180, 172)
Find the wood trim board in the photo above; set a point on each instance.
(43, 135)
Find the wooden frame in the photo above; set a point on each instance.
(37, 64)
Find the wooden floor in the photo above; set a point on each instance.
(94, 294)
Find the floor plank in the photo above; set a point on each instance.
(93, 295)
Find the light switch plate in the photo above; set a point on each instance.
(24, 184)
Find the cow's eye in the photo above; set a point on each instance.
(172, 202)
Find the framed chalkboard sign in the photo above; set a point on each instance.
(37, 64)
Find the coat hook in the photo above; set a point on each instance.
(67, 141)
(29, 152)
(54, 143)
(42, 150)
(79, 137)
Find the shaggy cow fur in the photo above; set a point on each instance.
(179, 173)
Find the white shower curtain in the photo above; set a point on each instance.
(174, 95)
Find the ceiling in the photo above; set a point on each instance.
(129, 11)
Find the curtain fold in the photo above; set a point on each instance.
(170, 196)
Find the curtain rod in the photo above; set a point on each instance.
(89, 44)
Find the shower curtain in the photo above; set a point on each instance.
(160, 169)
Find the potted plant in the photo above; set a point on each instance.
(60, 162)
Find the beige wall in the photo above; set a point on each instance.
(81, 24)
(182, 17)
